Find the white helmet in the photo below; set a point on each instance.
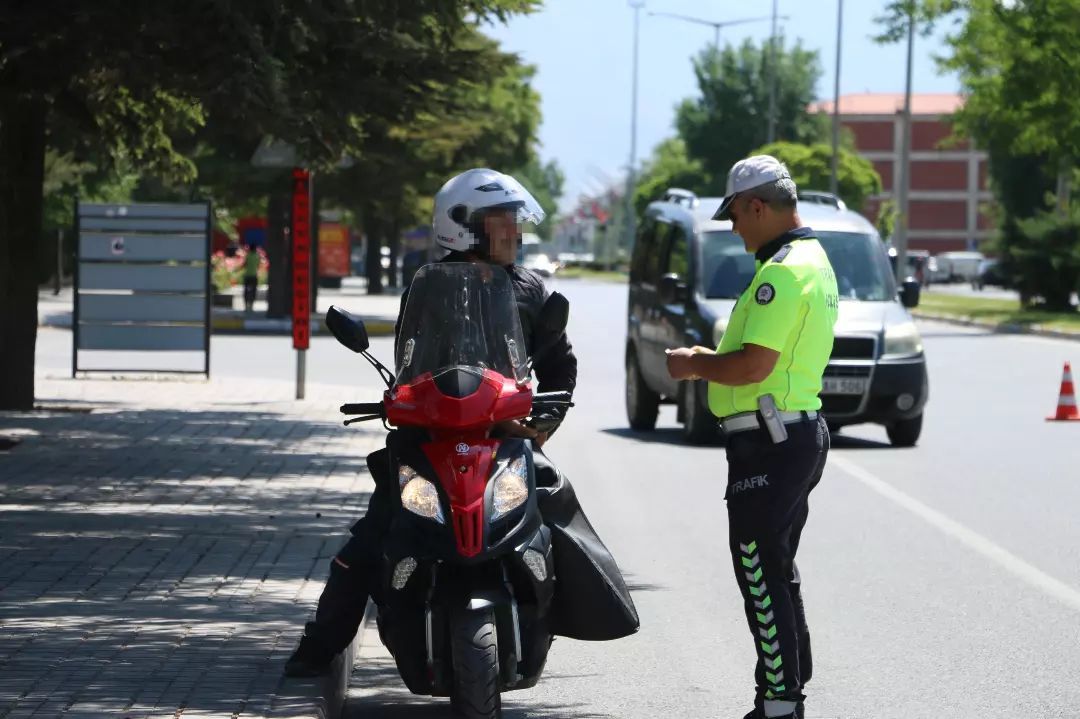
(459, 206)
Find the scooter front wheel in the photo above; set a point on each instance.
(475, 651)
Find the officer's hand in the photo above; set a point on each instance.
(699, 350)
(678, 363)
(513, 428)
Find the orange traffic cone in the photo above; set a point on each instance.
(1066, 409)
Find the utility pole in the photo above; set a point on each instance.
(834, 182)
(901, 233)
(772, 76)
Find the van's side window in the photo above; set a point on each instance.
(654, 259)
(678, 254)
(645, 236)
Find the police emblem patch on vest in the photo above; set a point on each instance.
(765, 294)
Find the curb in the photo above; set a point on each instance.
(321, 697)
(376, 326)
(999, 327)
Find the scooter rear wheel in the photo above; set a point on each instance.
(475, 651)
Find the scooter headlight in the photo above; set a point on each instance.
(419, 496)
(511, 488)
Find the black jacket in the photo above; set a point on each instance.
(556, 371)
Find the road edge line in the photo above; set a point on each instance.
(1005, 559)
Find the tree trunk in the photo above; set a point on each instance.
(373, 260)
(394, 242)
(279, 281)
(22, 171)
(1064, 186)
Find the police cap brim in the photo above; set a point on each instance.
(725, 206)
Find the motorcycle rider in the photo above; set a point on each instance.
(477, 217)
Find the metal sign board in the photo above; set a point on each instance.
(142, 280)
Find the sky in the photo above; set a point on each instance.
(583, 51)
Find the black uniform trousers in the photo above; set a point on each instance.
(767, 498)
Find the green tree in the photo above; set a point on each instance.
(811, 168)
(490, 121)
(886, 220)
(1017, 64)
(730, 118)
(1044, 260)
(669, 166)
(134, 77)
(545, 182)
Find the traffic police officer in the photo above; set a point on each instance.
(764, 381)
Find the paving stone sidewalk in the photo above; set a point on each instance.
(163, 541)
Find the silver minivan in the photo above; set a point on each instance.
(687, 271)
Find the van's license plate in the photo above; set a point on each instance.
(843, 385)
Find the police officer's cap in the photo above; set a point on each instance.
(746, 175)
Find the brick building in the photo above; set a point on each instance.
(949, 186)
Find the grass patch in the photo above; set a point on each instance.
(996, 311)
(584, 273)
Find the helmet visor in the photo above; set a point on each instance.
(511, 194)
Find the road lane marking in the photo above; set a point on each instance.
(973, 540)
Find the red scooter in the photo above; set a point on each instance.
(468, 567)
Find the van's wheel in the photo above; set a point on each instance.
(475, 652)
(699, 424)
(905, 433)
(642, 404)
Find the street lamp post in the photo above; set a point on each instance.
(714, 25)
(631, 171)
(901, 231)
(772, 76)
(834, 182)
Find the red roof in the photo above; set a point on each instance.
(884, 103)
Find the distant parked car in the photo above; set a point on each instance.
(541, 264)
(962, 266)
(532, 256)
(920, 265)
(989, 273)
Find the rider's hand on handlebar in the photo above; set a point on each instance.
(513, 428)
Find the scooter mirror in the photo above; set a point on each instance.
(555, 314)
(348, 330)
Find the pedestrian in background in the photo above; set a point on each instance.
(251, 277)
(764, 380)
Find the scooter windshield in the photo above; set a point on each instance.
(460, 314)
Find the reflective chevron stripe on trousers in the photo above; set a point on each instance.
(767, 499)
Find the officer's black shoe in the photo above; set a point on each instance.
(310, 659)
(759, 714)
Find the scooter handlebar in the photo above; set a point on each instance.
(552, 399)
(362, 408)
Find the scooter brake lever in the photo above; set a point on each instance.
(361, 419)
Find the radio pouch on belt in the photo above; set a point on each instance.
(771, 418)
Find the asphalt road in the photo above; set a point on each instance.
(940, 582)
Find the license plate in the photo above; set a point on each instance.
(843, 385)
